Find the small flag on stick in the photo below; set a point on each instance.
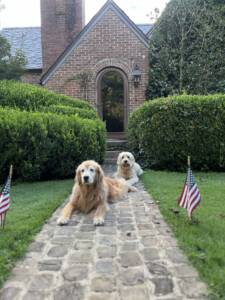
(190, 197)
(5, 199)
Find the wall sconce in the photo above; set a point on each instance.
(136, 75)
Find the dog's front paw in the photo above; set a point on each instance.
(99, 221)
(62, 221)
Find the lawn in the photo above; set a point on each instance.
(203, 243)
(32, 204)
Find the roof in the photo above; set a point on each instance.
(145, 28)
(109, 5)
(28, 39)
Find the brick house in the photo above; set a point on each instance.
(104, 62)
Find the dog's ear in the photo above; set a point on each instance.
(132, 157)
(99, 175)
(78, 176)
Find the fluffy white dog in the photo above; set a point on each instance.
(127, 168)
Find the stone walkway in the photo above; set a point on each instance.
(133, 257)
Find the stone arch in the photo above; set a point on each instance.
(99, 77)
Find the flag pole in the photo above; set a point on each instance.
(189, 165)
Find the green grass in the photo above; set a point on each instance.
(32, 204)
(204, 242)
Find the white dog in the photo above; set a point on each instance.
(127, 168)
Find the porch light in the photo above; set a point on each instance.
(136, 75)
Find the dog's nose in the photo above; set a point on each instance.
(125, 161)
(86, 178)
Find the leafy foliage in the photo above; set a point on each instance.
(75, 111)
(11, 66)
(163, 132)
(187, 49)
(32, 98)
(47, 146)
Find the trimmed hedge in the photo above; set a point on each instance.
(32, 98)
(164, 131)
(72, 111)
(46, 145)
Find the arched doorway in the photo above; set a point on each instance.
(112, 95)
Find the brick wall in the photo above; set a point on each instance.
(110, 43)
(32, 77)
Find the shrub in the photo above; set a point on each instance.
(32, 98)
(73, 111)
(46, 145)
(164, 131)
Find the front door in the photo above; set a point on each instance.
(112, 94)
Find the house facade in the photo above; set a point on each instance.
(104, 62)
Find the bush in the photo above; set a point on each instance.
(72, 111)
(32, 98)
(46, 145)
(163, 132)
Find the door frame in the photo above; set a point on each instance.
(125, 87)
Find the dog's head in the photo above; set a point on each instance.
(126, 159)
(89, 173)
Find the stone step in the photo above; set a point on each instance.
(113, 144)
(112, 154)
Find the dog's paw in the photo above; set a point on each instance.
(132, 189)
(99, 221)
(62, 221)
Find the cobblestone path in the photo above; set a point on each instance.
(133, 257)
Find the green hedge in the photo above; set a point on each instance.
(163, 132)
(72, 111)
(32, 98)
(46, 145)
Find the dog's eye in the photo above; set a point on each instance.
(128, 156)
(82, 171)
(123, 157)
(92, 170)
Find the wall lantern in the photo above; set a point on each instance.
(136, 75)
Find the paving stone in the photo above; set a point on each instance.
(129, 246)
(184, 270)
(80, 257)
(132, 276)
(130, 259)
(150, 254)
(36, 247)
(163, 285)
(69, 292)
(126, 227)
(87, 236)
(58, 251)
(149, 241)
(9, 293)
(76, 273)
(103, 296)
(104, 266)
(176, 256)
(125, 220)
(35, 295)
(125, 215)
(135, 293)
(41, 282)
(62, 241)
(106, 252)
(193, 288)
(103, 284)
(128, 236)
(145, 226)
(87, 228)
(157, 269)
(49, 265)
(107, 241)
(83, 245)
(65, 231)
(107, 230)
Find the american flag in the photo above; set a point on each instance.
(5, 199)
(190, 197)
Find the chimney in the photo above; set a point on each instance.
(61, 21)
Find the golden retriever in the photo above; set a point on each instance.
(93, 190)
(127, 168)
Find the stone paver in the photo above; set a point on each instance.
(133, 256)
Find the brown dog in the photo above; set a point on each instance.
(92, 190)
